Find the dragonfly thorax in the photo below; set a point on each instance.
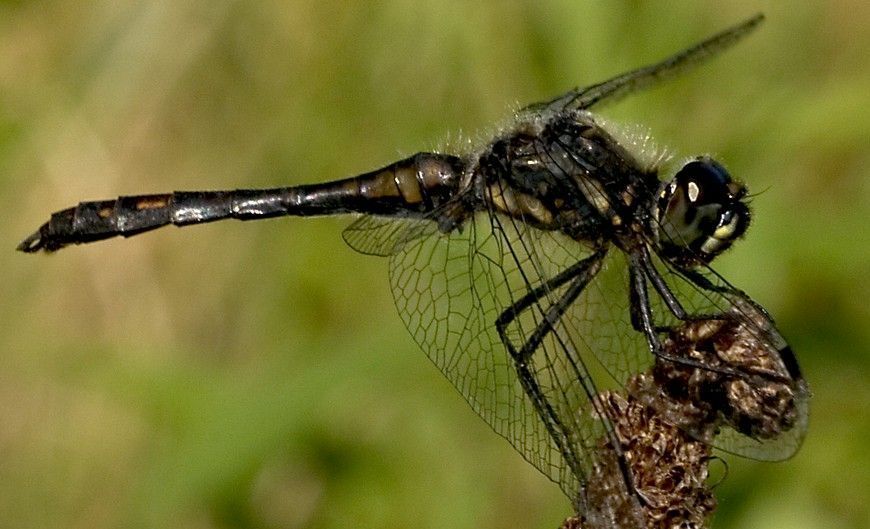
(564, 171)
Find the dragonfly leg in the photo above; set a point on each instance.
(580, 274)
(587, 267)
(702, 282)
(661, 286)
(640, 310)
(667, 295)
(642, 318)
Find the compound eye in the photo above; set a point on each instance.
(704, 182)
(700, 211)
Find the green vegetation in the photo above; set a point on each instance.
(256, 375)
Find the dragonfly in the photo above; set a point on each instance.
(545, 267)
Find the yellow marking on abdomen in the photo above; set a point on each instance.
(408, 185)
(152, 202)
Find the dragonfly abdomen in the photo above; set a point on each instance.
(410, 187)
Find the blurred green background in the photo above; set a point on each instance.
(256, 375)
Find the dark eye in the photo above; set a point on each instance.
(700, 212)
(705, 182)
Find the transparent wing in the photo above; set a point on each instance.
(600, 323)
(450, 290)
(784, 424)
(385, 236)
(603, 326)
(618, 87)
(765, 402)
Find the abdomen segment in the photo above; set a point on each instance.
(410, 187)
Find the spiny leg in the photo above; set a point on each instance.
(785, 352)
(643, 321)
(533, 296)
(661, 287)
(667, 295)
(583, 271)
(581, 274)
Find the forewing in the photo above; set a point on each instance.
(703, 292)
(618, 87)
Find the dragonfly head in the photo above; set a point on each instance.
(700, 212)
